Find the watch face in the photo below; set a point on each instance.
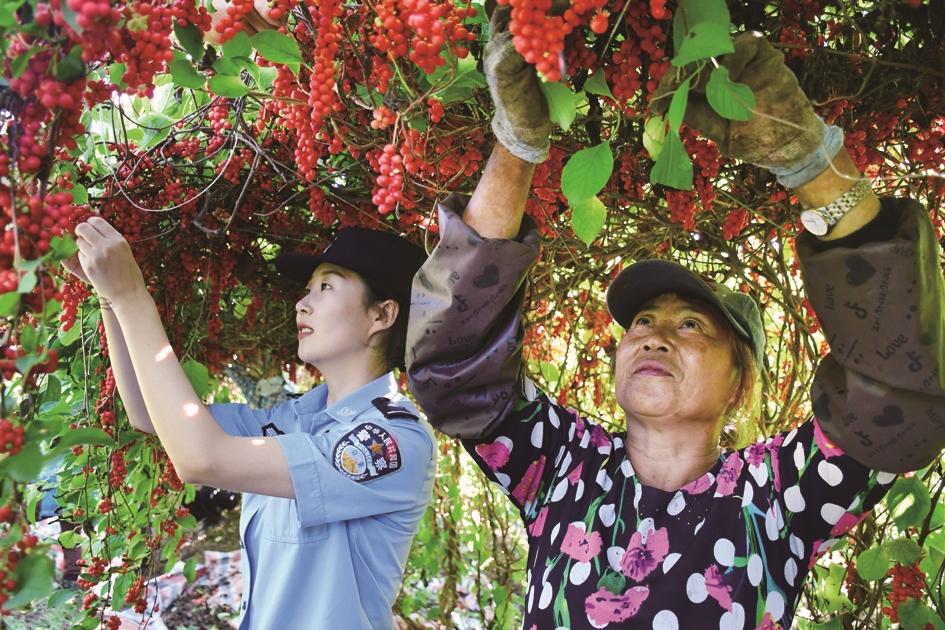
(814, 223)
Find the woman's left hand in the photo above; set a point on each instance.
(107, 260)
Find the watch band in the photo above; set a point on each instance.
(819, 221)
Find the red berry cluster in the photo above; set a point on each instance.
(74, 293)
(436, 24)
(117, 470)
(11, 437)
(641, 56)
(231, 22)
(383, 117)
(436, 110)
(908, 582)
(735, 222)
(150, 29)
(186, 12)
(388, 190)
(539, 36)
(322, 95)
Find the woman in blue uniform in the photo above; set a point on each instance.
(335, 482)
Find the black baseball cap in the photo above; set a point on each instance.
(642, 281)
(385, 261)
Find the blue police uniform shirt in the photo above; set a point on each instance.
(362, 470)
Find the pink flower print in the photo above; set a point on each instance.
(538, 525)
(728, 476)
(755, 454)
(717, 588)
(575, 475)
(578, 427)
(816, 552)
(579, 545)
(700, 485)
(604, 607)
(599, 436)
(773, 446)
(527, 487)
(768, 623)
(828, 448)
(642, 556)
(495, 454)
(845, 523)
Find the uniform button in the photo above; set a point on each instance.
(244, 605)
(241, 545)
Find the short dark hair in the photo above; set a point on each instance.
(395, 342)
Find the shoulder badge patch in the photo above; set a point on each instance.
(393, 411)
(366, 452)
(271, 430)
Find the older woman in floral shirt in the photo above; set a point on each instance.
(658, 526)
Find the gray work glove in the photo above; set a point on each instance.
(521, 120)
(783, 133)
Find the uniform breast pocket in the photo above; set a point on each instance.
(281, 524)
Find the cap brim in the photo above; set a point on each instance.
(640, 282)
(297, 266)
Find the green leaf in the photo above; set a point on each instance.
(588, 218)
(549, 371)
(562, 103)
(69, 337)
(872, 564)
(677, 106)
(915, 615)
(909, 502)
(27, 282)
(597, 84)
(70, 539)
(29, 338)
(60, 597)
(833, 624)
(190, 569)
(586, 172)
(71, 67)
(228, 86)
(731, 100)
(903, 550)
(156, 127)
(191, 39)
(120, 588)
(691, 12)
(84, 435)
(62, 247)
(267, 75)
(34, 576)
(198, 375)
(7, 16)
(673, 167)
(238, 46)
(278, 48)
(654, 136)
(21, 62)
(115, 73)
(704, 40)
(184, 74)
(80, 195)
(26, 465)
(9, 304)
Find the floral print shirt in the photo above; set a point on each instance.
(729, 550)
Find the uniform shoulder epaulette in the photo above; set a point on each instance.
(393, 411)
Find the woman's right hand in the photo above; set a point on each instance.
(256, 20)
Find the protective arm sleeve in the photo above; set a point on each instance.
(880, 393)
(464, 339)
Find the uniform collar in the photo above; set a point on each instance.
(352, 405)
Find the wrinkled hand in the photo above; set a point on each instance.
(521, 120)
(783, 129)
(106, 261)
(253, 22)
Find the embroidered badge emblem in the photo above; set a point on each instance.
(271, 430)
(366, 452)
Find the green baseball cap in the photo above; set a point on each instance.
(642, 281)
